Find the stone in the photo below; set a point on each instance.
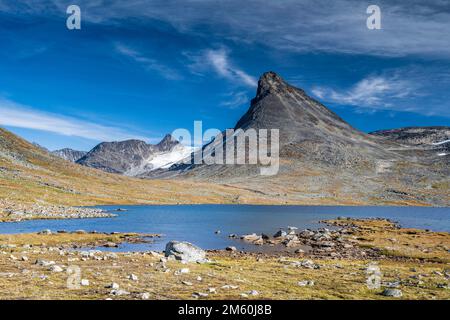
(44, 263)
(253, 293)
(56, 268)
(199, 295)
(84, 282)
(185, 251)
(395, 293)
(229, 286)
(230, 248)
(305, 283)
(47, 231)
(186, 283)
(144, 296)
(280, 233)
(110, 245)
(133, 277)
(251, 237)
(119, 292)
(113, 286)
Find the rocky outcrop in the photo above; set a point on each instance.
(134, 157)
(69, 154)
(185, 251)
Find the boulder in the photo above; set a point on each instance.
(280, 233)
(185, 251)
(395, 293)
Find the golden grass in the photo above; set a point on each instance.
(272, 277)
(400, 242)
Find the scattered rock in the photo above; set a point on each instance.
(280, 233)
(113, 286)
(185, 251)
(56, 268)
(395, 293)
(133, 277)
(230, 248)
(305, 283)
(119, 292)
(84, 282)
(144, 296)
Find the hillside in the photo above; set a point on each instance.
(322, 157)
(29, 174)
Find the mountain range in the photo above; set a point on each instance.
(323, 159)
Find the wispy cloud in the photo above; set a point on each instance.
(20, 116)
(235, 100)
(396, 90)
(218, 61)
(373, 91)
(408, 27)
(149, 64)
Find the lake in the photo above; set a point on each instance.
(198, 223)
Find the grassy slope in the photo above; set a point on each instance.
(29, 174)
(420, 274)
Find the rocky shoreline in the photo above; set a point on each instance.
(321, 243)
(14, 212)
(410, 264)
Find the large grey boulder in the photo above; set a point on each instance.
(185, 251)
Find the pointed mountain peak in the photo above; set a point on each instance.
(167, 143)
(270, 82)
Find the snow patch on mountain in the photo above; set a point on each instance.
(161, 160)
(439, 143)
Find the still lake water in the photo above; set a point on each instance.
(198, 223)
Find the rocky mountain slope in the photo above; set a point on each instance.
(323, 160)
(323, 157)
(135, 157)
(434, 141)
(69, 154)
(31, 176)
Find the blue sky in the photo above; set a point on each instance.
(140, 69)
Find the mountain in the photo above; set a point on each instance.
(135, 157)
(323, 157)
(31, 175)
(435, 141)
(323, 160)
(309, 132)
(69, 154)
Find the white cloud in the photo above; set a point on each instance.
(148, 63)
(370, 92)
(20, 116)
(218, 61)
(235, 100)
(408, 27)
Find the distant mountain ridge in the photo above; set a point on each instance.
(322, 157)
(69, 154)
(134, 157)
